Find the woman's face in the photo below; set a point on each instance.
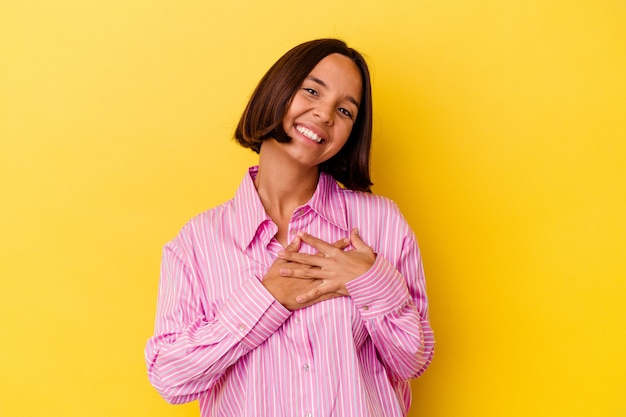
(323, 110)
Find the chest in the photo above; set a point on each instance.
(223, 269)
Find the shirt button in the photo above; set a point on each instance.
(306, 367)
(366, 308)
(242, 327)
(308, 415)
(297, 320)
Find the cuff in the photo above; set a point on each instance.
(251, 314)
(380, 290)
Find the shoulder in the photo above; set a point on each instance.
(203, 226)
(370, 203)
(374, 212)
(380, 222)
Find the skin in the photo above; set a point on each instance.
(330, 269)
(326, 104)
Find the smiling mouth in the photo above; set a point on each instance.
(309, 134)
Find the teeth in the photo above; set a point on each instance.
(309, 134)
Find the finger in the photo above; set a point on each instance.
(305, 272)
(356, 240)
(340, 244)
(301, 258)
(320, 291)
(295, 256)
(293, 265)
(324, 297)
(319, 244)
(294, 246)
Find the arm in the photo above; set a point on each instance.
(192, 348)
(393, 304)
(391, 298)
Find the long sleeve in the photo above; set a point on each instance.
(195, 344)
(393, 304)
(220, 337)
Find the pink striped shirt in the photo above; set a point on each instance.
(221, 338)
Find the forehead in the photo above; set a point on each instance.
(339, 73)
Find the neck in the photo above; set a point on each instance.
(282, 188)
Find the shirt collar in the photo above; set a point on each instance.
(250, 213)
(328, 202)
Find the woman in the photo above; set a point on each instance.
(298, 297)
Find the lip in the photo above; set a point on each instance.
(313, 129)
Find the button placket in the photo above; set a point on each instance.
(304, 362)
(300, 219)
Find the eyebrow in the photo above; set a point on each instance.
(323, 84)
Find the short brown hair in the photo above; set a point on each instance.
(263, 117)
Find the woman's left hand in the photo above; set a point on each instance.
(333, 266)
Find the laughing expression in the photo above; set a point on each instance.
(323, 110)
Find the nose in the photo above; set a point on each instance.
(324, 112)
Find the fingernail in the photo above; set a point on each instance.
(300, 299)
(300, 233)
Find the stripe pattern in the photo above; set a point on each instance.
(222, 339)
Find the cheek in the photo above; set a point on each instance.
(344, 132)
(290, 110)
(295, 104)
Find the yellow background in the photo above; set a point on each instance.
(499, 130)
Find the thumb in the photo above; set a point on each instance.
(294, 245)
(356, 240)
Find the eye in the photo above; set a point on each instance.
(309, 90)
(345, 112)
